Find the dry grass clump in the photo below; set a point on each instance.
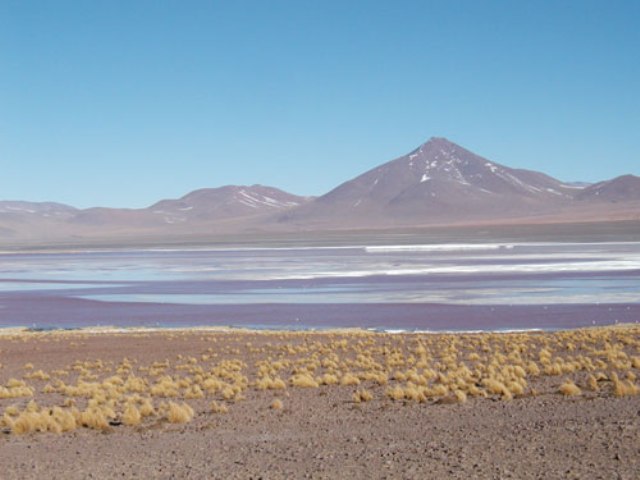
(496, 387)
(37, 375)
(36, 419)
(395, 393)
(623, 388)
(328, 379)
(460, 396)
(349, 379)
(268, 383)
(15, 392)
(303, 380)
(362, 395)
(276, 404)
(569, 389)
(592, 383)
(194, 392)
(179, 413)
(146, 407)
(94, 417)
(28, 422)
(165, 387)
(131, 415)
(12, 410)
(216, 407)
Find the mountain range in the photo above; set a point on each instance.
(439, 183)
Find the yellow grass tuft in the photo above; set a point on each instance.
(623, 388)
(303, 380)
(395, 393)
(25, 423)
(54, 420)
(37, 375)
(349, 379)
(179, 413)
(131, 415)
(194, 392)
(496, 387)
(268, 383)
(328, 379)
(146, 407)
(93, 417)
(276, 404)
(569, 388)
(460, 396)
(65, 419)
(216, 407)
(12, 410)
(362, 395)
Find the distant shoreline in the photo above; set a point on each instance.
(114, 330)
(518, 231)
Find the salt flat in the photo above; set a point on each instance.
(430, 287)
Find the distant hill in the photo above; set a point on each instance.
(625, 188)
(226, 202)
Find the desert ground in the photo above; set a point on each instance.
(207, 403)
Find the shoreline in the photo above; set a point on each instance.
(517, 230)
(113, 329)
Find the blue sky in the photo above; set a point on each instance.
(121, 103)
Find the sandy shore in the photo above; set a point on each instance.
(245, 404)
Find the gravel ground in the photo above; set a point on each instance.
(321, 432)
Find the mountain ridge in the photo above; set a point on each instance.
(437, 183)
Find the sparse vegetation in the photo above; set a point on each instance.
(397, 370)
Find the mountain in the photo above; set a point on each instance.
(204, 212)
(226, 202)
(17, 210)
(200, 206)
(439, 182)
(32, 220)
(620, 189)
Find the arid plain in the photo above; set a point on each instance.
(215, 403)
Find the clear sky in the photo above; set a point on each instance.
(121, 103)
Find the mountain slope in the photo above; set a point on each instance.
(620, 189)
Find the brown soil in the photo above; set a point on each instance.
(321, 432)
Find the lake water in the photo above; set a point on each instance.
(452, 287)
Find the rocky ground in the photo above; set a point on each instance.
(351, 405)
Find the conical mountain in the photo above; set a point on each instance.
(438, 182)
